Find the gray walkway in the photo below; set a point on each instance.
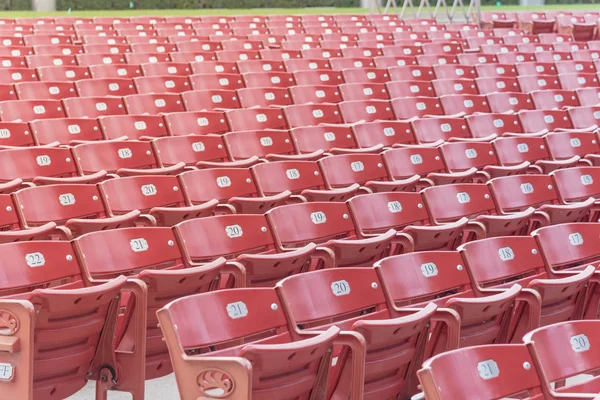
(163, 388)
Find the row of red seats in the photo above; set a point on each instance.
(159, 254)
(367, 301)
(530, 369)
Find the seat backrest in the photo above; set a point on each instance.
(563, 145)
(405, 162)
(574, 184)
(493, 123)
(452, 71)
(245, 144)
(44, 90)
(65, 130)
(345, 169)
(495, 70)
(516, 150)
(529, 83)
(454, 86)
(141, 193)
(538, 120)
(60, 203)
(452, 202)
(311, 114)
(275, 177)
(313, 138)
(166, 68)
(423, 276)
(411, 73)
(28, 110)
(554, 99)
(569, 245)
(31, 162)
(204, 239)
(580, 356)
(315, 94)
(464, 103)
(93, 107)
(518, 192)
(112, 156)
(366, 110)
(133, 126)
(584, 117)
(409, 107)
(189, 149)
(588, 96)
(255, 119)
(153, 103)
(496, 261)
(112, 70)
(513, 101)
(196, 123)
(217, 183)
(363, 91)
(492, 371)
(63, 73)
(398, 89)
(199, 100)
(460, 156)
(428, 130)
(379, 212)
(298, 224)
(263, 97)
(15, 134)
(161, 84)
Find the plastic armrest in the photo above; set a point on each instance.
(401, 185)
(170, 170)
(474, 230)
(528, 134)
(51, 144)
(315, 155)
(495, 170)
(253, 205)
(441, 178)
(437, 143)
(246, 163)
(576, 130)
(338, 194)
(169, 216)
(372, 149)
(487, 138)
(404, 243)
(43, 232)
(80, 226)
(11, 186)
(89, 179)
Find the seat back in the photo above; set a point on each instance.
(113, 156)
(196, 123)
(311, 114)
(189, 149)
(352, 299)
(133, 126)
(105, 87)
(407, 161)
(563, 145)
(275, 177)
(580, 356)
(574, 184)
(222, 184)
(245, 144)
(46, 273)
(93, 107)
(44, 90)
(538, 120)
(512, 101)
(31, 162)
(237, 318)
(516, 150)
(428, 130)
(492, 371)
(28, 110)
(65, 130)
(153, 103)
(482, 125)
(462, 156)
(61, 203)
(518, 192)
(346, 169)
(451, 202)
(255, 119)
(141, 193)
(152, 255)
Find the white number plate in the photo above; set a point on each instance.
(340, 288)
(237, 310)
(35, 259)
(318, 217)
(506, 253)
(429, 269)
(6, 371)
(149, 190)
(488, 369)
(66, 199)
(580, 343)
(576, 239)
(138, 245)
(234, 231)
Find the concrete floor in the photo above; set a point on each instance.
(163, 388)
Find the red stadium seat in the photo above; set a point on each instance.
(268, 144)
(504, 102)
(93, 107)
(28, 110)
(161, 84)
(69, 206)
(45, 90)
(255, 119)
(105, 87)
(409, 107)
(264, 97)
(554, 99)
(65, 130)
(429, 130)
(132, 126)
(159, 198)
(233, 187)
(115, 71)
(315, 94)
(198, 100)
(153, 104)
(315, 349)
(195, 123)
(125, 158)
(225, 81)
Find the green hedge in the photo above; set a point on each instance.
(187, 4)
(183, 4)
